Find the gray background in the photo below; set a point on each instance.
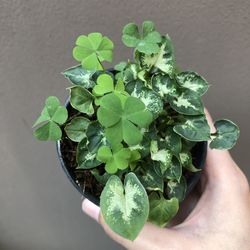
(39, 209)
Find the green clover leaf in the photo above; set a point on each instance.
(53, 114)
(81, 99)
(117, 158)
(93, 49)
(122, 121)
(147, 42)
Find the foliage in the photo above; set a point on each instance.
(134, 127)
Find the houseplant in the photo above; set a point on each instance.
(128, 134)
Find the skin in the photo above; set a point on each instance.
(217, 217)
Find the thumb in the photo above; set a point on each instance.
(149, 237)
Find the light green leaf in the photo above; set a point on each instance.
(163, 85)
(93, 49)
(53, 114)
(177, 189)
(125, 207)
(227, 133)
(161, 210)
(79, 76)
(81, 99)
(147, 42)
(105, 84)
(150, 98)
(76, 129)
(117, 158)
(187, 103)
(194, 129)
(192, 81)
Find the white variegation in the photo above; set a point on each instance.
(183, 101)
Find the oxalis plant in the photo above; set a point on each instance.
(134, 126)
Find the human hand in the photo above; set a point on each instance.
(220, 219)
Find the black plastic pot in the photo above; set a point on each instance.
(199, 153)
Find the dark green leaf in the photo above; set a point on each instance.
(177, 189)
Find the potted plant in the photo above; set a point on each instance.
(132, 138)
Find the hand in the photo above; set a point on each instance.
(220, 219)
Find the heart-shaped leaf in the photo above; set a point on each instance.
(91, 50)
(173, 141)
(76, 129)
(105, 84)
(53, 114)
(177, 189)
(174, 171)
(80, 76)
(81, 99)
(194, 129)
(192, 81)
(227, 133)
(161, 210)
(125, 207)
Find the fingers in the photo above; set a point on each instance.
(149, 238)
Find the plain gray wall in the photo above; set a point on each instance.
(39, 209)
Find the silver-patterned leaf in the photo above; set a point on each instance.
(227, 133)
(80, 76)
(173, 140)
(187, 103)
(174, 171)
(125, 207)
(177, 189)
(163, 85)
(186, 162)
(150, 98)
(194, 129)
(192, 81)
(161, 210)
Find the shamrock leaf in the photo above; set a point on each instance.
(163, 60)
(81, 99)
(53, 114)
(79, 76)
(117, 158)
(76, 129)
(227, 133)
(93, 49)
(161, 211)
(88, 147)
(125, 207)
(194, 129)
(147, 42)
(123, 120)
(192, 81)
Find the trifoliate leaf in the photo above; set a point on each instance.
(53, 114)
(177, 189)
(115, 158)
(163, 60)
(187, 103)
(161, 211)
(192, 81)
(76, 129)
(80, 76)
(81, 99)
(194, 129)
(227, 133)
(122, 122)
(105, 84)
(147, 42)
(87, 148)
(93, 49)
(125, 207)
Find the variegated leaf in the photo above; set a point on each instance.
(227, 133)
(194, 129)
(192, 81)
(187, 103)
(163, 85)
(174, 171)
(80, 76)
(173, 140)
(177, 189)
(150, 98)
(186, 161)
(161, 210)
(125, 207)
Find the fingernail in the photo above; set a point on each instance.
(90, 209)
